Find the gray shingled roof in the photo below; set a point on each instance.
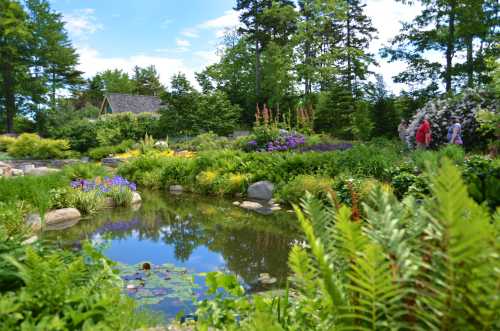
(123, 103)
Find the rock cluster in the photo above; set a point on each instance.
(7, 170)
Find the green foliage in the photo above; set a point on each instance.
(99, 153)
(84, 171)
(122, 196)
(6, 142)
(89, 202)
(65, 291)
(31, 146)
(205, 142)
(483, 178)
(431, 266)
(295, 189)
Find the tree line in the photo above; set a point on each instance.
(285, 54)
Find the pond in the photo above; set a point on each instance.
(181, 237)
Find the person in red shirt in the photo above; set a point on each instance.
(423, 135)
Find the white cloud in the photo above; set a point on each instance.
(182, 43)
(387, 16)
(166, 23)
(190, 33)
(229, 19)
(80, 23)
(219, 25)
(91, 62)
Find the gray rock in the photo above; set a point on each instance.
(136, 198)
(176, 188)
(275, 208)
(41, 171)
(262, 190)
(236, 203)
(250, 205)
(17, 172)
(62, 215)
(62, 225)
(111, 162)
(30, 240)
(27, 167)
(256, 207)
(34, 221)
(3, 165)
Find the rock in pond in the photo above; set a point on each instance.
(262, 190)
(55, 219)
(176, 189)
(136, 198)
(62, 215)
(40, 171)
(256, 207)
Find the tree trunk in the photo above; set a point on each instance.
(348, 46)
(9, 97)
(470, 62)
(257, 71)
(450, 50)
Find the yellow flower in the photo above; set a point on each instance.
(129, 154)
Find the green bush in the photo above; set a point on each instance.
(86, 202)
(121, 196)
(84, 171)
(6, 142)
(99, 153)
(295, 189)
(482, 176)
(30, 189)
(205, 142)
(31, 146)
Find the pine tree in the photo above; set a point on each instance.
(15, 37)
(358, 32)
(147, 81)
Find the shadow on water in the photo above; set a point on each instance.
(196, 233)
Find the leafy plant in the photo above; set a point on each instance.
(31, 146)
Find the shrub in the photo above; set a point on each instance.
(205, 142)
(87, 202)
(295, 189)
(6, 142)
(482, 176)
(122, 196)
(207, 181)
(105, 151)
(84, 171)
(31, 146)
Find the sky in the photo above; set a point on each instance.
(182, 35)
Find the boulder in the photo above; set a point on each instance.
(17, 172)
(27, 167)
(262, 190)
(236, 203)
(6, 171)
(256, 207)
(34, 221)
(136, 198)
(62, 225)
(111, 162)
(41, 171)
(62, 215)
(30, 240)
(176, 188)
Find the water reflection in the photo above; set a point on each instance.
(201, 234)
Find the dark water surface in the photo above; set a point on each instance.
(192, 235)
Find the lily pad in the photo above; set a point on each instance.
(160, 282)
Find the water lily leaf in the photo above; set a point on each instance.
(159, 283)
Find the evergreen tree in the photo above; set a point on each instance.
(263, 21)
(147, 81)
(384, 113)
(54, 58)
(15, 37)
(357, 33)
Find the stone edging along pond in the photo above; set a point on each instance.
(64, 218)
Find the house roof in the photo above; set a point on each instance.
(123, 103)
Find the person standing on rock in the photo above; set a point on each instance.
(423, 135)
(455, 132)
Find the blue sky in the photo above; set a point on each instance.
(178, 35)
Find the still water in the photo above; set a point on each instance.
(182, 237)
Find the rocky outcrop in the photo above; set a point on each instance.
(111, 162)
(262, 190)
